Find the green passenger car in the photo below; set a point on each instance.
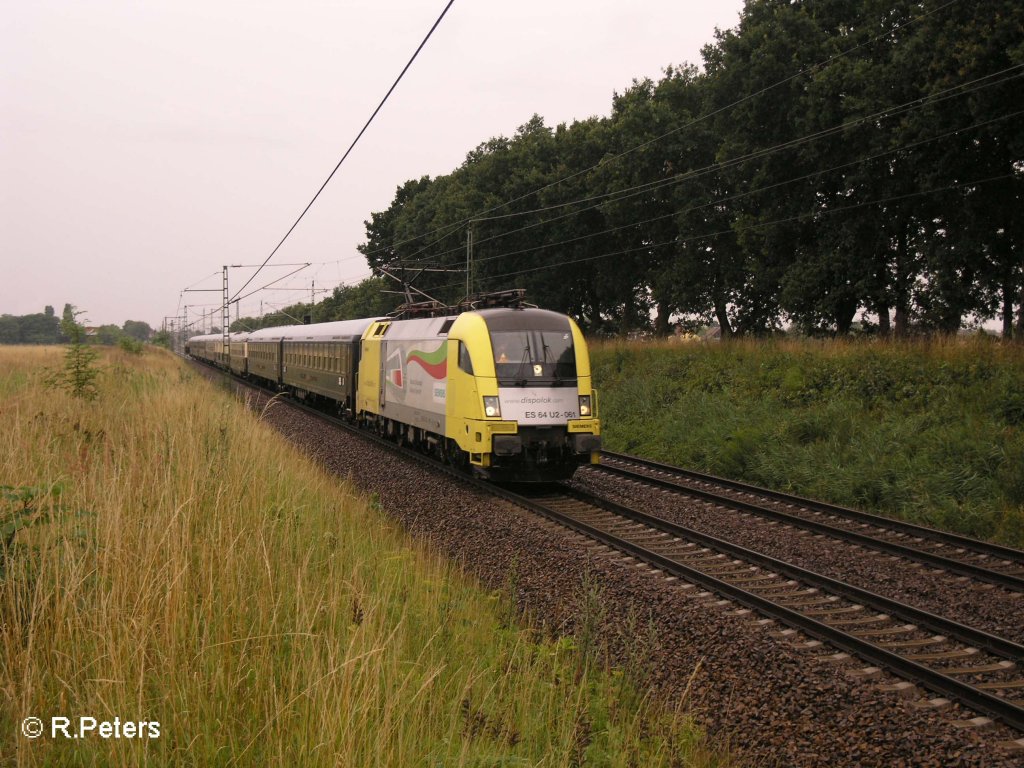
(316, 361)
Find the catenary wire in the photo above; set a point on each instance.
(349, 150)
(458, 225)
(730, 198)
(754, 191)
(627, 192)
(733, 230)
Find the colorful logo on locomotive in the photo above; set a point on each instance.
(396, 369)
(409, 382)
(434, 363)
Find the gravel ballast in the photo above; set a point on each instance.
(978, 604)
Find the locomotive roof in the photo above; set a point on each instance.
(420, 327)
(499, 319)
(507, 319)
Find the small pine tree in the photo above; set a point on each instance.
(79, 374)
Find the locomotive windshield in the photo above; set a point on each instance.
(524, 357)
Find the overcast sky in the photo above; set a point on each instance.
(144, 144)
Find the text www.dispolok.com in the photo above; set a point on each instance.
(89, 727)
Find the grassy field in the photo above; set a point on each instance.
(178, 563)
(929, 432)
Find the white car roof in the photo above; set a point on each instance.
(338, 329)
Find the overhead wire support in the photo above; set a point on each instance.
(351, 146)
(238, 298)
(225, 319)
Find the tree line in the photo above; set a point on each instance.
(45, 328)
(830, 160)
(831, 165)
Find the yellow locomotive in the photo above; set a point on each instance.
(504, 392)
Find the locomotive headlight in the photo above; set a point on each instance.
(585, 405)
(491, 406)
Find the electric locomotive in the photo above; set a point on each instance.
(505, 392)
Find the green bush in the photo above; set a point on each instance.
(130, 345)
(926, 432)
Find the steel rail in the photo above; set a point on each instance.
(971, 570)
(975, 698)
(1000, 646)
(912, 529)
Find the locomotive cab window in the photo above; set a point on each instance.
(524, 357)
(465, 362)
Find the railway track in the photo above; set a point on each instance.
(975, 668)
(979, 670)
(963, 556)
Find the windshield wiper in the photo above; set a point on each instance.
(554, 368)
(520, 379)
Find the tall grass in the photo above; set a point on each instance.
(186, 566)
(930, 432)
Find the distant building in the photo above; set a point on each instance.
(714, 333)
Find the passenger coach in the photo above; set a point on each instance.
(505, 392)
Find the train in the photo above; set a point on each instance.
(501, 392)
